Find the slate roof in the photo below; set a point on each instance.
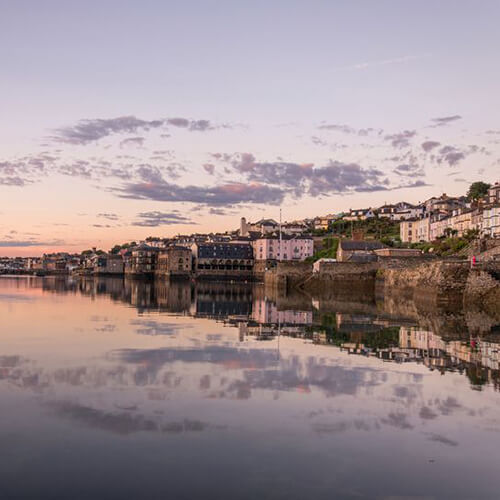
(225, 251)
(351, 245)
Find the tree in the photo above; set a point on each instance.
(477, 190)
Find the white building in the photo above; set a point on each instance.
(359, 214)
(290, 248)
(491, 222)
(494, 194)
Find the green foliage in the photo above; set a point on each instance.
(392, 241)
(478, 190)
(374, 228)
(382, 339)
(471, 234)
(90, 252)
(477, 376)
(331, 243)
(444, 247)
(340, 227)
(329, 250)
(116, 249)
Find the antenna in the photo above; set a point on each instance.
(281, 257)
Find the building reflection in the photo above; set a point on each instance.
(466, 342)
(222, 300)
(476, 357)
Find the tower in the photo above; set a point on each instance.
(243, 227)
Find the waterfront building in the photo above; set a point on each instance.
(174, 261)
(106, 264)
(141, 261)
(57, 263)
(223, 260)
(288, 248)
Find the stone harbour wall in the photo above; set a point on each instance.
(444, 282)
(483, 288)
(438, 282)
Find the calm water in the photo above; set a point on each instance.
(112, 389)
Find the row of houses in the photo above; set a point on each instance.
(451, 217)
(225, 258)
(237, 258)
(395, 212)
(438, 208)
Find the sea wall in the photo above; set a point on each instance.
(342, 278)
(438, 282)
(432, 281)
(482, 288)
(334, 275)
(445, 282)
(287, 275)
(355, 276)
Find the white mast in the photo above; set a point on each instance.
(281, 257)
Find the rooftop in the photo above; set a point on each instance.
(360, 245)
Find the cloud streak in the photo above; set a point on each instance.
(88, 131)
(156, 218)
(401, 139)
(301, 179)
(29, 243)
(222, 195)
(383, 62)
(445, 120)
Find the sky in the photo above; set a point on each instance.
(123, 119)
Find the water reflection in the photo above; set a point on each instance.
(466, 342)
(234, 370)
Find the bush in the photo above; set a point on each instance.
(329, 252)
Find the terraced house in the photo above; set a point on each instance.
(491, 222)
